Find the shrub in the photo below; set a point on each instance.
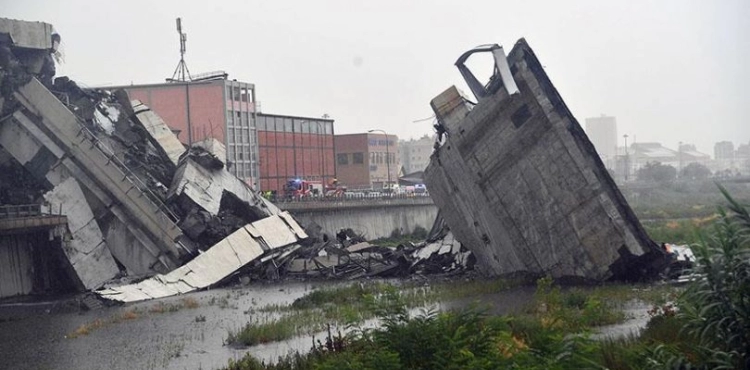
(716, 306)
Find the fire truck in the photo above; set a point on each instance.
(300, 188)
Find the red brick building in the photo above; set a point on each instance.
(294, 148)
(219, 108)
(363, 160)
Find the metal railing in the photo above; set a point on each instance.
(20, 211)
(348, 197)
(127, 174)
(27, 210)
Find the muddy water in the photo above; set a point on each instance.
(167, 340)
(174, 340)
(152, 340)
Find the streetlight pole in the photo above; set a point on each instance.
(387, 156)
(627, 166)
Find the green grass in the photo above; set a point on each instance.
(678, 231)
(539, 338)
(353, 304)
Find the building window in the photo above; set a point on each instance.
(262, 123)
(305, 127)
(342, 158)
(287, 125)
(358, 158)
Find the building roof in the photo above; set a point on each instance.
(294, 117)
(659, 152)
(656, 150)
(173, 83)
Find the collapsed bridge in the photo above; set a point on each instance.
(520, 184)
(138, 202)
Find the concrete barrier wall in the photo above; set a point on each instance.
(374, 221)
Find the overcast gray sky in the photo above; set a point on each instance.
(668, 70)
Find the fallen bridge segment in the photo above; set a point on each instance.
(229, 255)
(520, 185)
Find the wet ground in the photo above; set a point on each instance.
(637, 316)
(150, 335)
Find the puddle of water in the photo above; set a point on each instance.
(637, 318)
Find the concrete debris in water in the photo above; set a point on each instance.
(238, 249)
(356, 258)
(522, 187)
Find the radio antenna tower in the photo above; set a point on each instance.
(181, 73)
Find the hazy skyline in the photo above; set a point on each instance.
(669, 71)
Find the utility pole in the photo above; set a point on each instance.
(627, 159)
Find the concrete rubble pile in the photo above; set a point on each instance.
(138, 203)
(352, 257)
(521, 186)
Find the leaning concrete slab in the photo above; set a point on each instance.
(161, 135)
(206, 188)
(235, 251)
(46, 160)
(87, 251)
(520, 185)
(110, 175)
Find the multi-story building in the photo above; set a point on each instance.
(415, 153)
(602, 131)
(366, 160)
(211, 108)
(724, 150)
(742, 157)
(294, 148)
